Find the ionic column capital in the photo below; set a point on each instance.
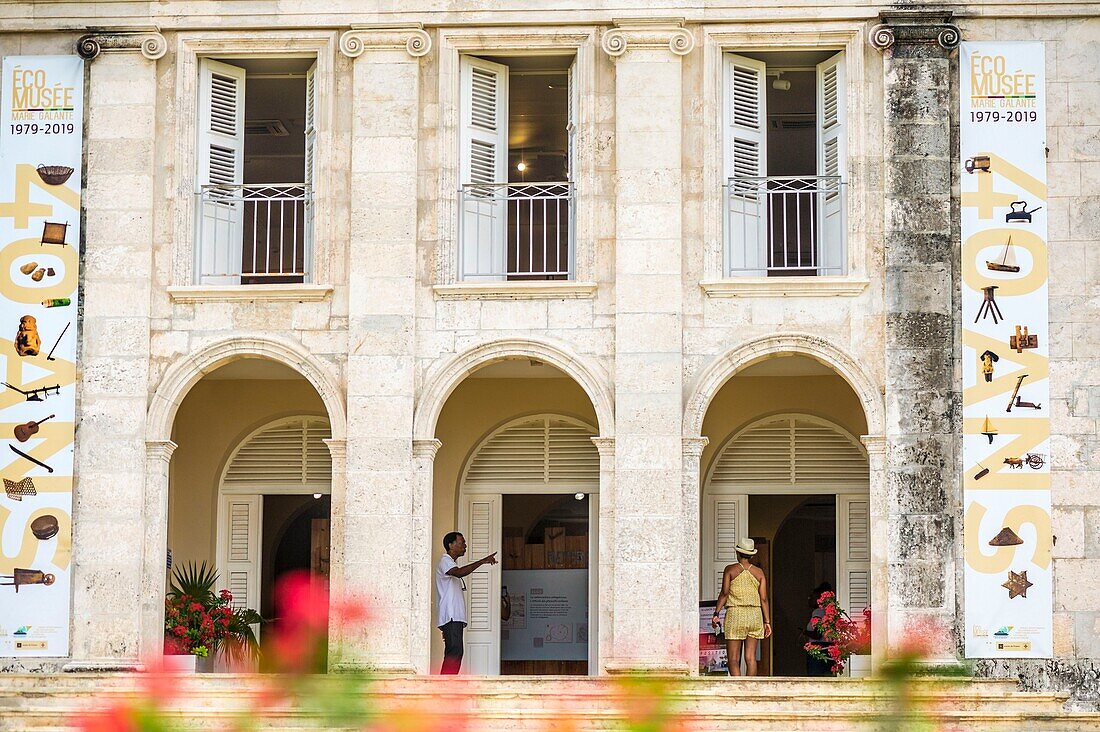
(426, 448)
(159, 450)
(648, 33)
(147, 40)
(915, 27)
(413, 38)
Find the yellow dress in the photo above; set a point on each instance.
(744, 618)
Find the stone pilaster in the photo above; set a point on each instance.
(605, 638)
(424, 452)
(880, 561)
(378, 547)
(922, 399)
(690, 498)
(648, 342)
(158, 457)
(118, 495)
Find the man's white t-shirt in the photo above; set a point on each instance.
(452, 605)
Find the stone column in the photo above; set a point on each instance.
(690, 498)
(118, 496)
(377, 551)
(922, 398)
(648, 342)
(880, 561)
(424, 452)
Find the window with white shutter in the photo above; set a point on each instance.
(255, 170)
(832, 159)
(221, 171)
(784, 163)
(746, 149)
(484, 160)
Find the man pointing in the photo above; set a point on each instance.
(449, 586)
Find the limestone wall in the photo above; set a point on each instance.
(379, 323)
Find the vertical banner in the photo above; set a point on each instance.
(1008, 605)
(41, 147)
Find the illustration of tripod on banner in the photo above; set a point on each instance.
(989, 306)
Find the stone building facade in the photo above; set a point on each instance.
(656, 328)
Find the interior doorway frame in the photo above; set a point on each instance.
(591, 490)
(252, 496)
(740, 495)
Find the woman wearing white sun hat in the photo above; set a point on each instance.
(748, 618)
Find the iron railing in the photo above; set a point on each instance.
(786, 225)
(254, 233)
(516, 231)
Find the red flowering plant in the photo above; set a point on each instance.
(200, 622)
(838, 633)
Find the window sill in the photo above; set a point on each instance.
(249, 293)
(785, 287)
(552, 290)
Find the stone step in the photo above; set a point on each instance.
(549, 721)
(209, 701)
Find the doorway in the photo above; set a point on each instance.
(530, 493)
(544, 585)
(803, 555)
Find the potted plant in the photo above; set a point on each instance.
(838, 632)
(199, 623)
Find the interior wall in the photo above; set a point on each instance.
(475, 408)
(214, 417)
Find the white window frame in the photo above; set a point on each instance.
(718, 40)
(515, 41)
(190, 47)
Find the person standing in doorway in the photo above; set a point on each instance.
(748, 617)
(449, 586)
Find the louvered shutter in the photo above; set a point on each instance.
(832, 154)
(221, 163)
(854, 557)
(484, 153)
(729, 521)
(240, 560)
(571, 122)
(288, 453)
(746, 153)
(310, 123)
(479, 522)
(537, 452)
(793, 451)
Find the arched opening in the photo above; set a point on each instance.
(251, 460)
(784, 467)
(518, 474)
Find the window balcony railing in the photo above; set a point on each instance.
(516, 231)
(254, 233)
(786, 225)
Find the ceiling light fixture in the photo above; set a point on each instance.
(780, 83)
(521, 166)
